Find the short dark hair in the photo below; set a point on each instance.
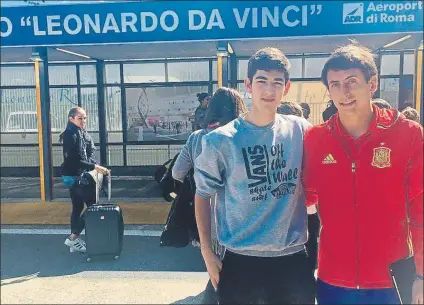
(202, 96)
(382, 104)
(351, 56)
(305, 106)
(74, 111)
(329, 111)
(290, 108)
(269, 59)
(226, 105)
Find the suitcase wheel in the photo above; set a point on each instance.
(88, 259)
(117, 257)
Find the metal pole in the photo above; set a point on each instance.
(100, 72)
(39, 56)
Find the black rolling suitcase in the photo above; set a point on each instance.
(104, 227)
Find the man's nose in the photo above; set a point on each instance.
(346, 90)
(269, 89)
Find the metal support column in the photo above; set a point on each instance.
(418, 82)
(222, 63)
(233, 69)
(100, 73)
(41, 67)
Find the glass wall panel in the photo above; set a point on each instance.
(18, 116)
(113, 75)
(89, 102)
(409, 64)
(144, 73)
(389, 91)
(242, 68)
(113, 115)
(62, 75)
(296, 67)
(115, 155)
(61, 101)
(88, 75)
(188, 71)
(390, 64)
(162, 113)
(313, 66)
(19, 156)
(311, 92)
(214, 70)
(17, 76)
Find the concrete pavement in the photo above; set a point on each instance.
(58, 213)
(39, 269)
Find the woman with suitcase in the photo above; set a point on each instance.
(79, 158)
(226, 105)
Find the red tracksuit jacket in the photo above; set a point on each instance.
(365, 190)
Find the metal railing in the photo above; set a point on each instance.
(137, 155)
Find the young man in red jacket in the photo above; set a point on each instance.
(364, 168)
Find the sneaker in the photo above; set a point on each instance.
(76, 245)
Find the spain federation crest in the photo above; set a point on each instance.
(381, 157)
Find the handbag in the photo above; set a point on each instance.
(167, 183)
(181, 227)
(88, 185)
(161, 170)
(403, 274)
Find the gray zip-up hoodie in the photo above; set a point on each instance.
(255, 174)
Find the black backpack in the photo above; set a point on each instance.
(181, 228)
(167, 183)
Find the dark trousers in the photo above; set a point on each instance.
(311, 245)
(329, 294)
(266, 280)
(209, 295)
(79, 196)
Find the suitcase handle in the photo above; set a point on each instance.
(109, 186)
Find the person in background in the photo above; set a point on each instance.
(225, 105)
(411, 114)
(306, 110)
(382, 104)
(199, 114)
(370, 202)
(329, 111)
(290, 108)
(79, 157)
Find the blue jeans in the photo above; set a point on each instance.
(329, 294)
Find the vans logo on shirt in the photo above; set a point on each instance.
(329, 160)
(267, 167)
(283, 190)
(256, 161)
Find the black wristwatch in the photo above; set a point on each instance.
(419, 277)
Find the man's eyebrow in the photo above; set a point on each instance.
(279, 79)
(350, 76)
(261, 77)
(336, 81)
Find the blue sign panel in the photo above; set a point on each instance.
(127, 22)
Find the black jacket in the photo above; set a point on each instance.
(199, 118)
(78, 151)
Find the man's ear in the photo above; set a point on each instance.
(373, 83)
(248, 85)
(287, 88)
